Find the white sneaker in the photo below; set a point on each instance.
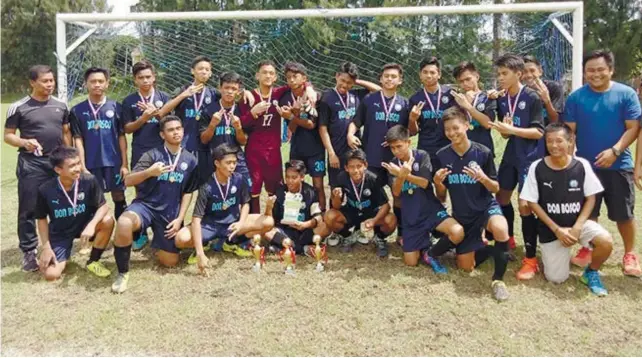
(361, 238)
(334, 239)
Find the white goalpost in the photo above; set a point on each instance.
(92, 23)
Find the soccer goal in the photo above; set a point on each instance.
(320, 39)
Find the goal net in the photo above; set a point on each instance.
(320, 39)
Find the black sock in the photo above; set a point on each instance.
(397, 212)
(440, 247)
(345, 232)
(255, 205)
(121, 254)
(379, 233)
(501, 260)
(119, 208)
(483, 254)
(509, 214)
(95, 255)
(489, 236)
(529, 230)
(278, 238)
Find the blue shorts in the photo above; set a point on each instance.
(219, 231)
(109, 178)
(473, 230)
(511, 176)
(158, 222)
(314, 164)
(241, 168)
(418, 238)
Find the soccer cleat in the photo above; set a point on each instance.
(349, 241)
(30, 261)
(591, 278)
(120, 285)
(529, 269)
(98, 269)
(237, 250)
(631, 265)
(382, 246)
(140, 242)
(500, 292)
(192, 259)
(362, 239)
(436, 266)
(583, 257)
(334, 239)
(217, 244)
(511, 243)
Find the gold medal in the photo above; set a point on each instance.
(198, 117)
(171, 179)
(225, 206)
(471, 127)
(97, 125)
(228, 130)
(410, 191)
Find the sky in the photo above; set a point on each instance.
(121, 6)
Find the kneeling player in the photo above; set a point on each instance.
(222, 210)
(296, 212)
(75, 205)
(468, 173)
(357, 199)
(561, 189)
(421, 211)
(165, 178)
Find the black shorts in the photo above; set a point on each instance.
(299, 238)
(314, 164)
(511, 176)
(354, 218)
(473, 230)
(618, 194)
(382, 175)
(109, 178)
(333, 173)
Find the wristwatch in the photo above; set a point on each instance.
(616, 151)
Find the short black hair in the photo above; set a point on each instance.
(60, 154)
(295, 67)
(511, 61)
(265, 63)
(222, 150)
(350, 69)
(230, 77)
(531, 59)
(199, 59)
(296, 165)
(454, 112)
(142, 65)
(355, 154)
(396, 133)
(36, 70)
(167, 119)
(392, 66)
(432, 60)
(92, 70)
(607, 55)
(463, 67)
(559, 126)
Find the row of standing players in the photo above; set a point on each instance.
(211, 117)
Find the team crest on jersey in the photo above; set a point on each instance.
(208, 100)
(446, 99)
(481, 107)
(366, 192)
(351, 99)
(81, 196)
(473, 164)
(183, 166)
(109, 114)
(573, 183)
(415, 167)
(397, 107)
(158, 104)
(233, 189)
(521, 105)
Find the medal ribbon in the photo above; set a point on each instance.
(512, 108)
(96, 110)
(432, 107)
(354, 187)
(74, 202)
(173, 164)
(227, 189)
(385, 107)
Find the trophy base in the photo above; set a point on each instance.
(290, 271)
(256, 268)
(320, 267)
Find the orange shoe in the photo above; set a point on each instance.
(529, 269)
(583, 257)
(631, 265)
(511, 243)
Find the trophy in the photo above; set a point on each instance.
(320, 253)
(288, 257)
(259, 253)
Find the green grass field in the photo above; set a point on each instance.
(359, 306)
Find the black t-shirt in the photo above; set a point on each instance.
(336, 113)
(42, 121)
(469, 198)
(213, 208)
(477, 132)
(561, 193)
(190, 111)
(431, 127)
(164, 193)
(304, 142)
(367, 198)
(301, 206)
(147, 136)
(528, 114)
(53, 203)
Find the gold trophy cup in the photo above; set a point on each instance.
(320, 253)
(288, 256)
(259, 253)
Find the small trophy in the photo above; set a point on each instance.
(320, 253)
(288, 257)
(259, 253)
